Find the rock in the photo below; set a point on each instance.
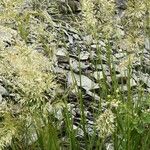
(121, 4)
(93, 95)
(70, 39)
(58, 70)
(145, 78)
(124, 88)
(62, 55)
(7, 36)
(1, 98)
(98, 75)
(70, 6)
(88, 39)
(62, 52)
(119, 55)
(3, 91)
(76, 66)
(109, 146)
(132, 82)
(84, 55)
(76, 37)
(147, 43)
(85, 83)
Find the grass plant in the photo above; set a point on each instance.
(124, 124)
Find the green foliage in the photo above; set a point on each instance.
(29, 119)
(24, 68)
(26, 74)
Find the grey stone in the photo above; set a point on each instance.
(145, 78)
(119, 55)
(7, 36)
(3, 91)
(62, 55)
(93, 95)
(77, 66)
(121, 4)
(1, 98)
(147, 43)
(85, 83)
(88, 39)
(98, 75)
(84, 55)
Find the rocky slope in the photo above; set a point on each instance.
(82, 61)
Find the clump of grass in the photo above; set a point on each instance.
(25, 73)
(125, 122)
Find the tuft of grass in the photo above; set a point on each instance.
(32, 122)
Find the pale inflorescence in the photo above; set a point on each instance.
(105, 123)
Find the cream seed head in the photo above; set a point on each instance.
(105, 124)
